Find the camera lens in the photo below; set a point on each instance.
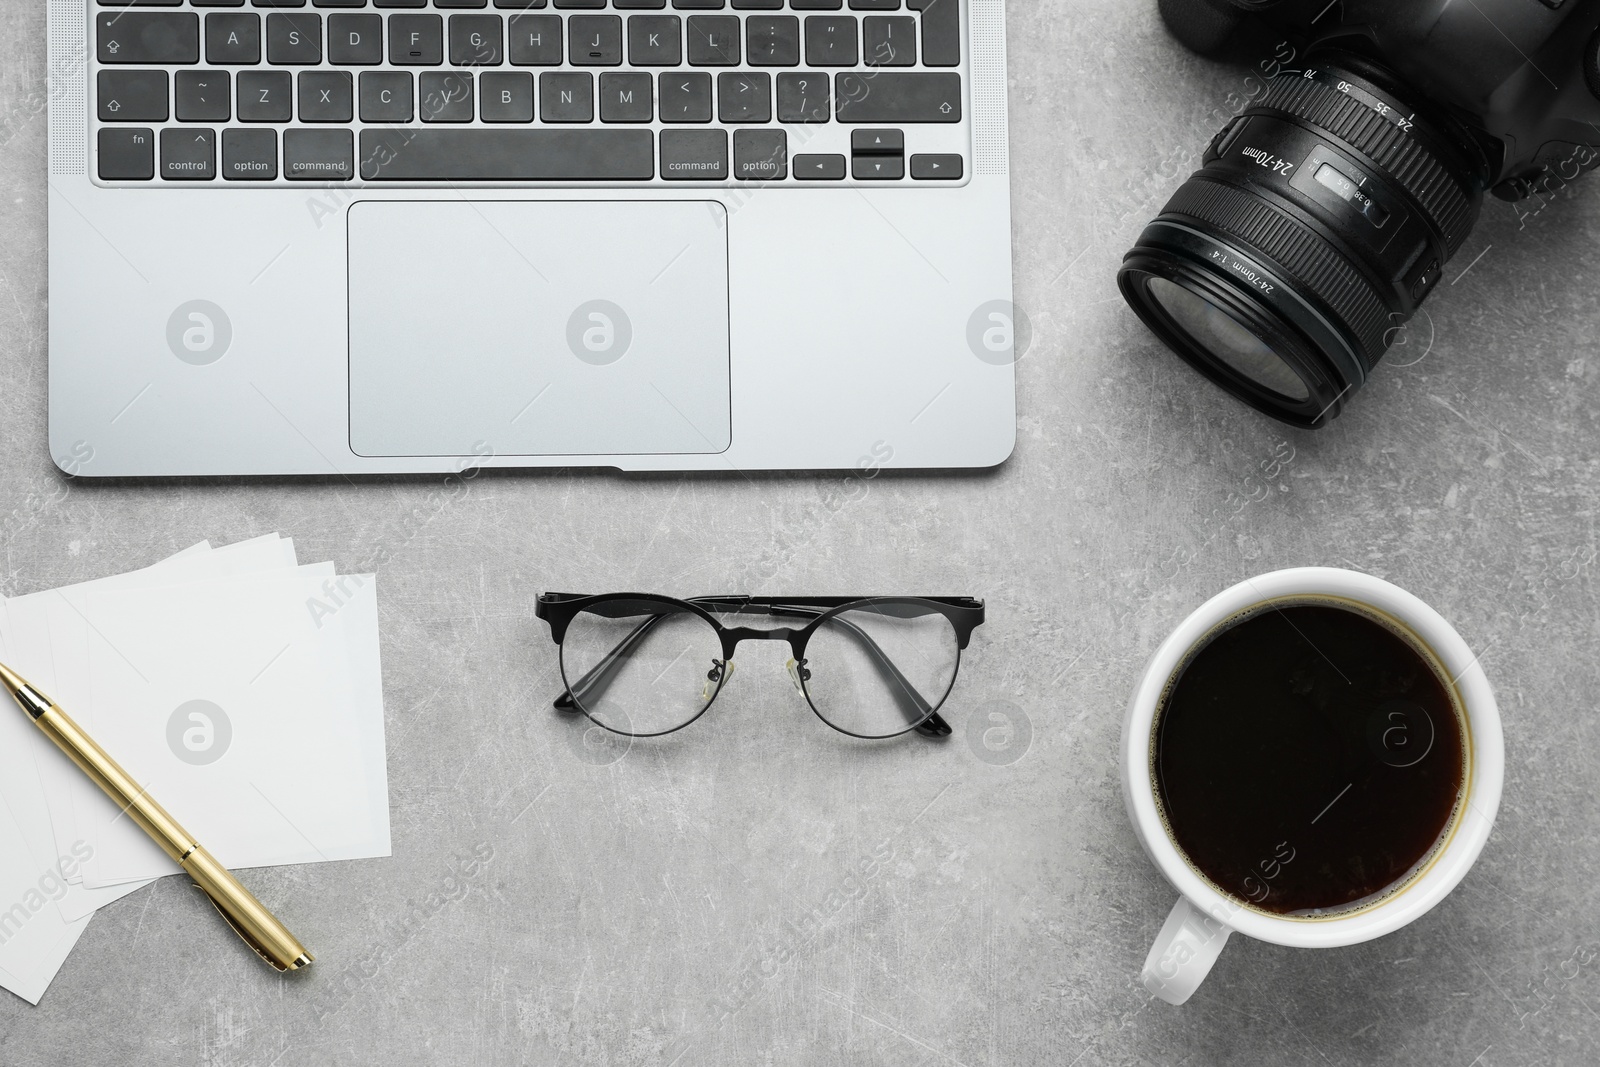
(1229, 340)
(1320, 219)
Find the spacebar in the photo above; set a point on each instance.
(538, 155)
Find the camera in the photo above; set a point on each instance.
(1325, 212)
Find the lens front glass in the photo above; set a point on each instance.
(640, 667)
(1226, 339)
(881, 668)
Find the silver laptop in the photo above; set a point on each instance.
(369, 236)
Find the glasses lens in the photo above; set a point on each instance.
(1227, 340)
(881, 668)
(640, 667)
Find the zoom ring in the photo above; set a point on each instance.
(1298, 250)
(1400, 156)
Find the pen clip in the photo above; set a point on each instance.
(243, 934)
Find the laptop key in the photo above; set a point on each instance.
(147, 37)
(760, 155)
(941, 31)
(773, 41)
(744, 97)
(355, 40)
(535, 40)
(386, 96)
(714, 40)
(804, 97)
(188, 154)
(325, 96)
(655, 40)
(445, 96)
(889, 41)
(233, 37)
(831, 41)
(878, 142)
(318, 155)
(416, 40)
(127, 154)
(895, 98)
(507, 154)
(249, 155)
(596, 41)
(567, 96)
(828, 168)
(132, 95)
(879, 168)
(626, 96)
(937, 168)
(694, 155)
(685, 97)
(506, 96)
(294, 40)
(475, 41)
(202, 95)
(264, 96)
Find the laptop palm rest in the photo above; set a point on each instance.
(537, 328)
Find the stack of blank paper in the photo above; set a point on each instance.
(242, 690)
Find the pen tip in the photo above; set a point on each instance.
(11, 680)
(27, 697)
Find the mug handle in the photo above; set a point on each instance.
(1189, 943)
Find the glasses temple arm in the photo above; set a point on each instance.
(912, 704)
(595, 682)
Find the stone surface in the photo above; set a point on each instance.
(760, 890)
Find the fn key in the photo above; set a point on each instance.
(127, 154)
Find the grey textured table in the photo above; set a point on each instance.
(759, 890)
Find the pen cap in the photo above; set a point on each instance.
(259, 928)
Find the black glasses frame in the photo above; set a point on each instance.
(965, 615)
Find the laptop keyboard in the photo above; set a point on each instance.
(728, 92)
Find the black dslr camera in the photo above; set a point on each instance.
(1325, 212)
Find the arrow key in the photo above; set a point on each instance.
(879, 168)
(937, 168)
(878, 142)
(819, 168)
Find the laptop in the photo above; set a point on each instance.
(312, 237)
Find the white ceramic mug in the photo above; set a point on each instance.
(1204, 918)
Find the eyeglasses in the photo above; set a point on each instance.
(873, 667)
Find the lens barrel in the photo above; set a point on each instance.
(1320, 219)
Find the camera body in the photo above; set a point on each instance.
(1324, 213)
(1521, 76)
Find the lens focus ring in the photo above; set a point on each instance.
(1297, 249)
(1398, 154)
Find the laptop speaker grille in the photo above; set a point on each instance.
(989, 86)
(69, 105)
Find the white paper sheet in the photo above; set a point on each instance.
(51, 628)
(291, 659)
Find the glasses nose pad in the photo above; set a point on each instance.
(798, 674)
(719, 675)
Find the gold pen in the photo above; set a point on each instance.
(260, 929)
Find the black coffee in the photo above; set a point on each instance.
(1308, 758)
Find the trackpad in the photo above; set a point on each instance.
(537, 329)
